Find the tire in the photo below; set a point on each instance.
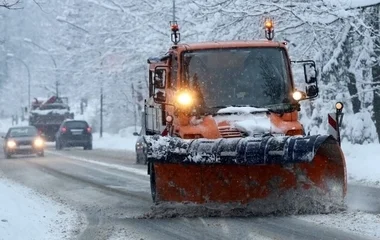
(41, 154)
(8, 156)
(59, 145)
(138, 159)
(88, 146)
(153, 183)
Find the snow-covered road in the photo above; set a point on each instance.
(25, 214)
(114, 195)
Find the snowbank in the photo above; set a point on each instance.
(124, 140)
(6, 123)
(27, 215)
(363, 162)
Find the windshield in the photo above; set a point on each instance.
(235, 77)
(23, 132)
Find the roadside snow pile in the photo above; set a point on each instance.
(124, 140)
(6, 123)
(27, 215)
(363, 162)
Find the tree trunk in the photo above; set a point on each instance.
(376, 67)
(353, 92)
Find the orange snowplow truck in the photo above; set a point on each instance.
(221, 126)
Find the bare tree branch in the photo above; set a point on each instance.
(10, 5)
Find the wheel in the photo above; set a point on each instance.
(153, 183)
(8, 156)
(141, 159)
(41, 154)
(88, 146)
(145, 159)
(58, 144)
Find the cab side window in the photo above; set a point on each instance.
(173, 71)
(151, 87)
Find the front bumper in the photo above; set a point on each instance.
(27, 149)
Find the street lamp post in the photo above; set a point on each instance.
(29, 78)
(28, 40)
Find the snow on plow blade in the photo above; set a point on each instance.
(243, 170)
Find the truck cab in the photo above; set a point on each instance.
(199, 90)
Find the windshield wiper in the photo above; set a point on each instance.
(282, 108)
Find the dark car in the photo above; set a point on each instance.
(141, 150)
(23, 140)
(74, 133)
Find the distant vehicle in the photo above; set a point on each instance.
(23, 140)
(74, 133)
(48, 115)
(141, 150)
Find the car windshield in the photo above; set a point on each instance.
(238, 76)
(76, 124)
(23, 132)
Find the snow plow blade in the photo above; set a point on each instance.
(244, 170)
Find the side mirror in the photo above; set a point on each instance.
(310, 72)
(136, 134)
(160, 97)
(312, 91)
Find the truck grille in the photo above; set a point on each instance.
(228, 132)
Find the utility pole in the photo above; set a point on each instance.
(56, 88)
(101, 112)
(134, 106)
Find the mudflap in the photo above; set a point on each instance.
(263, 171)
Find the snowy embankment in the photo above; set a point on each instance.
(25, 214)
(363, 163)
(124, 140)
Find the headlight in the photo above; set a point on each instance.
(185, 99)
(38, 142)
(11, 144)
(297, 95)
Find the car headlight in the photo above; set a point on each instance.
(11, 144)
(38, 142)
